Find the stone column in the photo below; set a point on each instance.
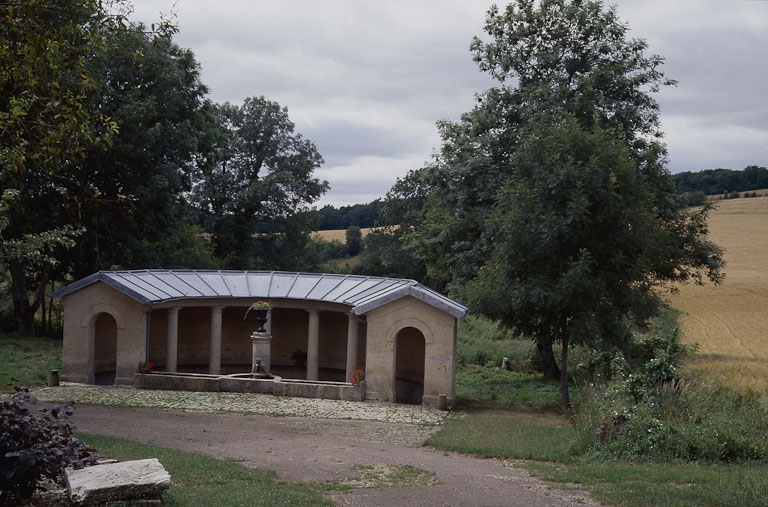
(214, 364)
(313, 345)
(172, 339)
(351, 346)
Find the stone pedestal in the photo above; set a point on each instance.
(262, 350)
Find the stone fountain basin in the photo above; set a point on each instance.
(250, 383)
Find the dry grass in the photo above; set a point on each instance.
(730, 321)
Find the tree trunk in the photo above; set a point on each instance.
(25, 323)
(565, 401)
(547, 356)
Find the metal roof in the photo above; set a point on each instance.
(361, 293)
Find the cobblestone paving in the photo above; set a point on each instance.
(239, 403)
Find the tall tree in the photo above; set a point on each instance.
(99, 122)
(255, 193)
(571, 84)
(45, 127)
(578, 245)
(130, 195)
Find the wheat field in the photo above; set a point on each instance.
(337, 234)
(729, 322)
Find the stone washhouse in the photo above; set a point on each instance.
(323, 327)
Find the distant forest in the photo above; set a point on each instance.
(359, 215)
(722, 181)
(696, 185)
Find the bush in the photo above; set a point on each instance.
(686, 423)
(35, 445)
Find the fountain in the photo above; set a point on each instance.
(261, 354)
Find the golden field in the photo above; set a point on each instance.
(337, 234)
(729, 322)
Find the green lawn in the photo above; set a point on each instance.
(27, 359)
(199, 480)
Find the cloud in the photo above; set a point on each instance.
(367, 80)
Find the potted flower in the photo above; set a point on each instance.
(358, 376)
(261, 308)
(145, 367)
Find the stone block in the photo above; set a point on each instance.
(116, 482)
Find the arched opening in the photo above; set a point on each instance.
(409, 366)
(105, 349)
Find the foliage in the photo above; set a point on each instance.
(151, 88)
(254, 193)
(43, 121)
(45, 128)
(354, 240)
(384, 255)
(99, 120)
(721, 181)
(655, 414)
(360, 215)
(35, 446)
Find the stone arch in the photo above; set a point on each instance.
(410, 359)
(104, 323)
(426, 331)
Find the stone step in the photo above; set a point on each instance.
(116, 482)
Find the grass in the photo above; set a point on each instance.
(480, 384)
(633, 484)
(510, 434)
(29, 360)
(202, 480)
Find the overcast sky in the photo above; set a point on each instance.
(366, 80)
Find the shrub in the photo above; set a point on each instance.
(653, 413)
(680, 421)
(35, 445)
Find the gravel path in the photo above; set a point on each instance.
(312, 440)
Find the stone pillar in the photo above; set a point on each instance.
(313, 345)
(214, 364)
(172, 339)
(261, 351)
(351, 346)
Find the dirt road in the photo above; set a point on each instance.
(319, 449)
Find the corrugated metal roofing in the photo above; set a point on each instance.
(361, 293)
